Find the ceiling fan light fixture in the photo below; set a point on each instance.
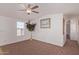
(29, 10)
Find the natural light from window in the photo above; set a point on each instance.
(20, 28)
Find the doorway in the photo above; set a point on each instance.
(68, 29)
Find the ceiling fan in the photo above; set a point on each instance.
(29, 9)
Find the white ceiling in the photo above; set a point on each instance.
(10, 9)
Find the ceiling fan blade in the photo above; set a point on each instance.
(25, 6)
(22, 10)
(34, 7)
(35, 11)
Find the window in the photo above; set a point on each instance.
(20, 28)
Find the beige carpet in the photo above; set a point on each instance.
(35, 47)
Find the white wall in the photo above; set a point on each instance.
(74, 28)
(53, 35)
(8, 31)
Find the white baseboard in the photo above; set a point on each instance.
(6, 43)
